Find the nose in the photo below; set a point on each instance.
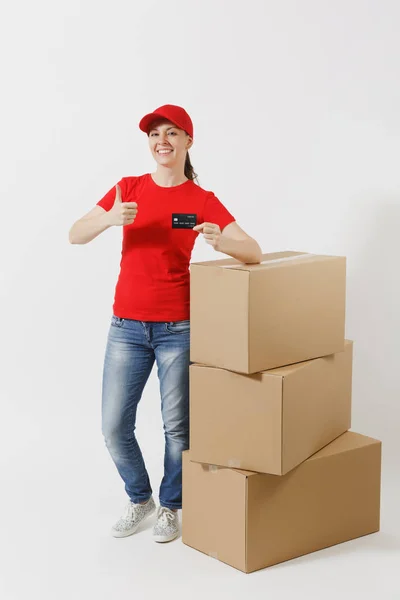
(162, 143)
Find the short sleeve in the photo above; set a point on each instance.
(216, 212)
(107, 201)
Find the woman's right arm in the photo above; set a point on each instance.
(90, 226)
(98, 219)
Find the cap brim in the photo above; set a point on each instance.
(148, 119)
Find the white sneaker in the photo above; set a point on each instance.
(167, 525)
(133, 515)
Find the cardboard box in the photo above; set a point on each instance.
(252, 520)
(252, 317)
(273, 420)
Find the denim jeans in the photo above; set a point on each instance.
(132, 347)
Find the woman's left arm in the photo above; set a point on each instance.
(233, 241)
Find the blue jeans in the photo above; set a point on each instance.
(132, 347)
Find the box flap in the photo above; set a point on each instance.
(278, 371)
(288, 369)
(232, 263)
(215, 468)
(267, 260)
(345, 442)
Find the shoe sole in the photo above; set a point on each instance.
(161, 538)
(120, 534)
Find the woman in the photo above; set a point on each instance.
(162, 214)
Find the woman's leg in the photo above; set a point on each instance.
(128, 362)
(172, 347)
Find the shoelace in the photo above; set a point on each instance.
(129, 510)
(165, 514)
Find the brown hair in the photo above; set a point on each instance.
(189, 170)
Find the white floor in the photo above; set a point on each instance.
(60, 497)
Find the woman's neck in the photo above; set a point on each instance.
(167, 178)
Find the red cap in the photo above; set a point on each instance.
(175, 114)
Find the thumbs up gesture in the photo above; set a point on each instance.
(122, 213)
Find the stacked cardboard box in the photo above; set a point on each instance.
(273, 471)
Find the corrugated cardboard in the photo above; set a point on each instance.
(251, 317)
(270, 421)
(252, 520)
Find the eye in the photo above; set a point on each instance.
(155, 133)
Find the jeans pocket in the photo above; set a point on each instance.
(117, 321)
(178, 326)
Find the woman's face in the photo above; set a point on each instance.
(164, 135)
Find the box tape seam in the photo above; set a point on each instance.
(274, 260)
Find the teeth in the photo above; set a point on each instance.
(164, 151)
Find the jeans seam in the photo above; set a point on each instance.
(179, 332)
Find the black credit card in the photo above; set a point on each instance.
(183, 220)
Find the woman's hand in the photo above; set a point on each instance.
(212, 233)
(122, 213)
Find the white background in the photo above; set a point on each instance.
(295, 107)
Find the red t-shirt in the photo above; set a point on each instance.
(154, 278)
